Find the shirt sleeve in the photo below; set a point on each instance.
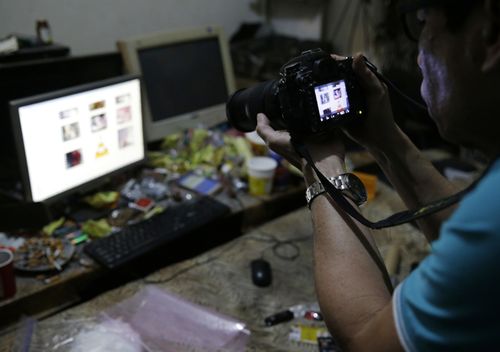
(451, 302)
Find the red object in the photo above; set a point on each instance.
(144, 202)
(7, 278)
(312, 315)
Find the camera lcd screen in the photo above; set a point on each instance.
(332, 100)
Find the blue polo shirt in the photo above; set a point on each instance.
(451, 302)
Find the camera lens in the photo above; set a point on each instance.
(244, 105)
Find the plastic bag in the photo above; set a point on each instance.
(167, 322)
(151, 320)
(98, 334)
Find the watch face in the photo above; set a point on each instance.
(356, 187)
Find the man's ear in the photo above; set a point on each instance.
(491, 34)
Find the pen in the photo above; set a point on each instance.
(280, 317)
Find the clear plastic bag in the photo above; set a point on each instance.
(167, 322)
(97, 334)
(151, 320)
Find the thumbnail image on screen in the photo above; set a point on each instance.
(332, 100)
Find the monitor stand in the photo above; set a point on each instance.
(83, 213)
(15, 216)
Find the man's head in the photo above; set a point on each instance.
(459, 56)
(456, 13)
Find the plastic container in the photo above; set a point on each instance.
(261, 170)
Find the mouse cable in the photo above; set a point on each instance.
(278, 246)
(192, 266)
(271, 239)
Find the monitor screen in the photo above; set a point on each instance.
(187, 78)
(332, 100)
(29, 78)
(73, 137)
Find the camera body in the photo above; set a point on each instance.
(314, 94)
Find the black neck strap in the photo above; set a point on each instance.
(393, 220)
(349, 209)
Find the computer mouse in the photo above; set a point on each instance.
(261, 272)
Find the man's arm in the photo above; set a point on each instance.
(414, 177)
(354, 300)
(351, 289)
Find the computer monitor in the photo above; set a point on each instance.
(70, 139)
(187, 78)
(29, 78)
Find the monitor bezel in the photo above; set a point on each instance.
(207, 117)
(15, 105)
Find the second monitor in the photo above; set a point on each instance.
(187, 77)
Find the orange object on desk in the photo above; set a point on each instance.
(370, 183)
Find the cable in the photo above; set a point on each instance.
(191, 267)
(276, 246)
(279, 245)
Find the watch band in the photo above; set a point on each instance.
(342, 183)
(315, 190)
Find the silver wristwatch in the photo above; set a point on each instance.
(350, 185)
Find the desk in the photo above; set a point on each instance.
(78, 283)
(220, 278)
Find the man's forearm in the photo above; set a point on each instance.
(349, 285)
(414, 177)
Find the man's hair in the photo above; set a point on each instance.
(457, 12)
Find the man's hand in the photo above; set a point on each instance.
(379, 125)
(327, 151)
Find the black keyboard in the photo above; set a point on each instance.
(174, 222)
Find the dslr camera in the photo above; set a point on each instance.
(315, 93)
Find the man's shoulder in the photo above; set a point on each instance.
(483, 202)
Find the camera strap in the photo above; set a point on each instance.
(393, 220)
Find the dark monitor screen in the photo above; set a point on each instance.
(183, 77)
(187, 77)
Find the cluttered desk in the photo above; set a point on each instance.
(123, 219)
(223, 284)
(107, 203)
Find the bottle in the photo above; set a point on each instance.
(43, 32)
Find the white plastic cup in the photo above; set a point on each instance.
(261, 171)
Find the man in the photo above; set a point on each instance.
(452, 300)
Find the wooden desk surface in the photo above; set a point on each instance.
(220, 278)
(38, 299)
